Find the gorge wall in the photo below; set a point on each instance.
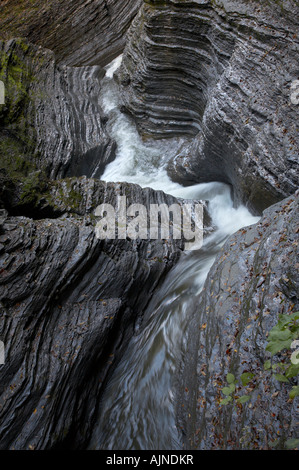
(53, 112)
(79, 32)
(253, 281)
(219, 73)
(68, 304)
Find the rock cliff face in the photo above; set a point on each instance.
(79, 32)
(219, 73)
(253, 280)
(53, 111)
(68, 300)
(216, 73)
(68, 305)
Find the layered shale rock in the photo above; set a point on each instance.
(220, 74)
(79, 32)
(68, 299)
(52, 119)
(68, 305)
(215, 73)
(253, 280)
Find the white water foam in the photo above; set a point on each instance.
(145, 164)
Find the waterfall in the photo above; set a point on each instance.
(136, 409)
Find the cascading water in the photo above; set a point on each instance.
(136, 410)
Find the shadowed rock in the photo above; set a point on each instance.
(68, 306)
(53, 112)
(253, 280)
(216, 73)
(219, 73)
(79, 32)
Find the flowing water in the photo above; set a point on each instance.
(136, 410)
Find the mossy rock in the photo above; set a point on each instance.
(16, 75)
(21, 181)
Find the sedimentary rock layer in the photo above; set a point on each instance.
(79, 32)
(253, 280)
(53, 111)
(219, 73)
(68, 304)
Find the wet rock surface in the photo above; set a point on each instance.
(69, 302)
(53, 112)
(79, 32)
(253, 280)
(219, 73)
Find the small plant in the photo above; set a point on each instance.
(281, 338)
(292, 443)
(230, 390)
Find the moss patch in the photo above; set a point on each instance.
(21, 182)
(16, 74)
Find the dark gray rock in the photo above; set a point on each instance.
(82, 195)
(54, 111)
(68, 303)
(216, 73)
(79, 32)
(253, 280)
(219, 73)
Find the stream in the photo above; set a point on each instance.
(137, 407)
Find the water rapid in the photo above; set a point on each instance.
(136, 410)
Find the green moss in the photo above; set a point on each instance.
(12, 158)
(33, 188)
(21, 182)
(18, 137)
(16, 74)
(25, 189)
(67, 195)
